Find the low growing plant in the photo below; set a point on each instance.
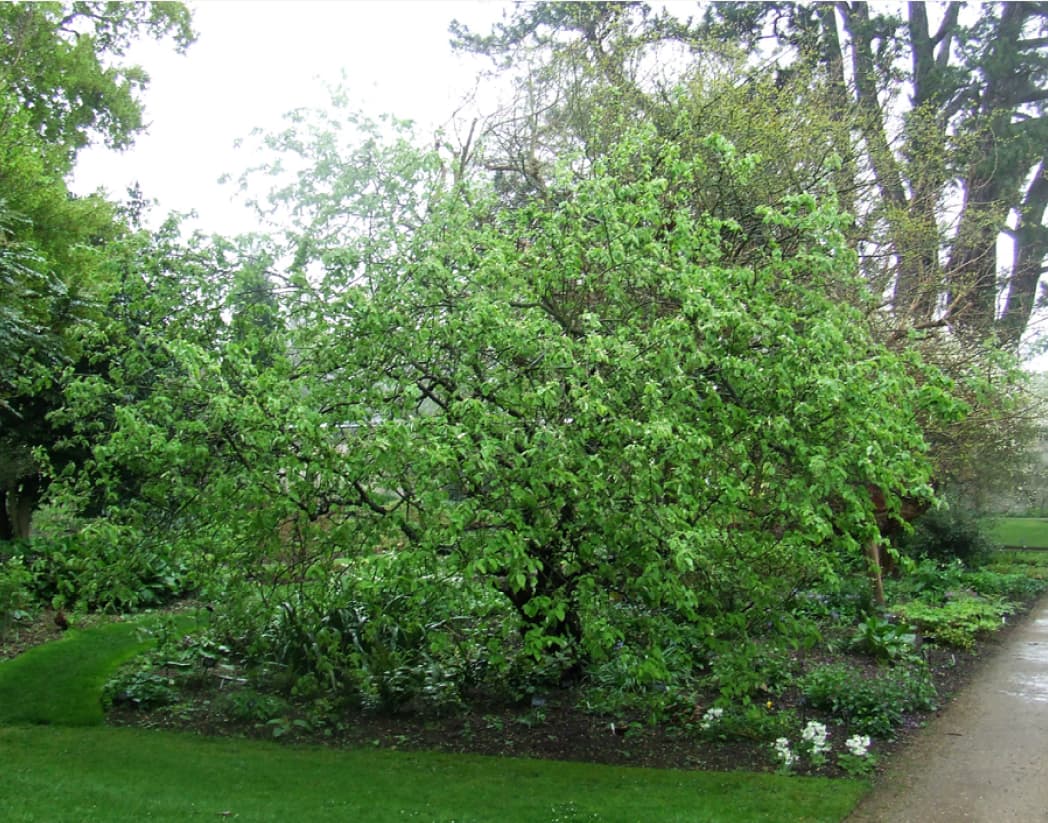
(884, 640)
(16, 595)
(141, 689)
(250, 706)
(857, 760)
(746, 722)
(649, 682)
(870, 705)
(813, 745)
(957, 622)
(748, 672)
(1010, 586)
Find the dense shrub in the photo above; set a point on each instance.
(748, 672)
(949, 533)
(97, 571)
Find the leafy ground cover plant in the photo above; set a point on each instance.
(16, 593)
(884, 640)
(1030, 565)
(1007, 585)
(747, 722)
(958, 622)
(872, 703)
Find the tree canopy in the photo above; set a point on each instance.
(601, 396)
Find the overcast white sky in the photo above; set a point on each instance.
(253, 62)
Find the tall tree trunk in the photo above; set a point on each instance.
(1031, 248)
(993, 183)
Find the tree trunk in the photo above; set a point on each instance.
(873, 560)
(21, 500)
(1031, 246)
(7, 528)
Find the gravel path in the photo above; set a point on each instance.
(985, 757)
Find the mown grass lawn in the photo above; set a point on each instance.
(101, 774)
(71, 768)
(1029, 532)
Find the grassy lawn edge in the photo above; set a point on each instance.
(1020, 532)
(60, 774)
(62, 764)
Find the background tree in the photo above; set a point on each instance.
(61, 86)
(818, 92)
(947, 108)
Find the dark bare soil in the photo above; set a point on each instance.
(24, 634)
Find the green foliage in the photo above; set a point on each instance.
(63, 84)
(250, 706)
(959, 621)
(1013, 586)
(103, 568)
(801, 112)
(16, 593)
(59, 67)
(884, 640)
(1032, 565)
(930, 579)
(140, 689)
(748, 672)
(374, 637)
(522, 433)
(949, 533)
(873, 705)
(855, 765)
(652, 683)
(749, 722)
(959, 123)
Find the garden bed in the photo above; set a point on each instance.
(552, 726)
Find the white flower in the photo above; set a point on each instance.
(858, 744)
(783, 752)
(711, 716)
(815, 735)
